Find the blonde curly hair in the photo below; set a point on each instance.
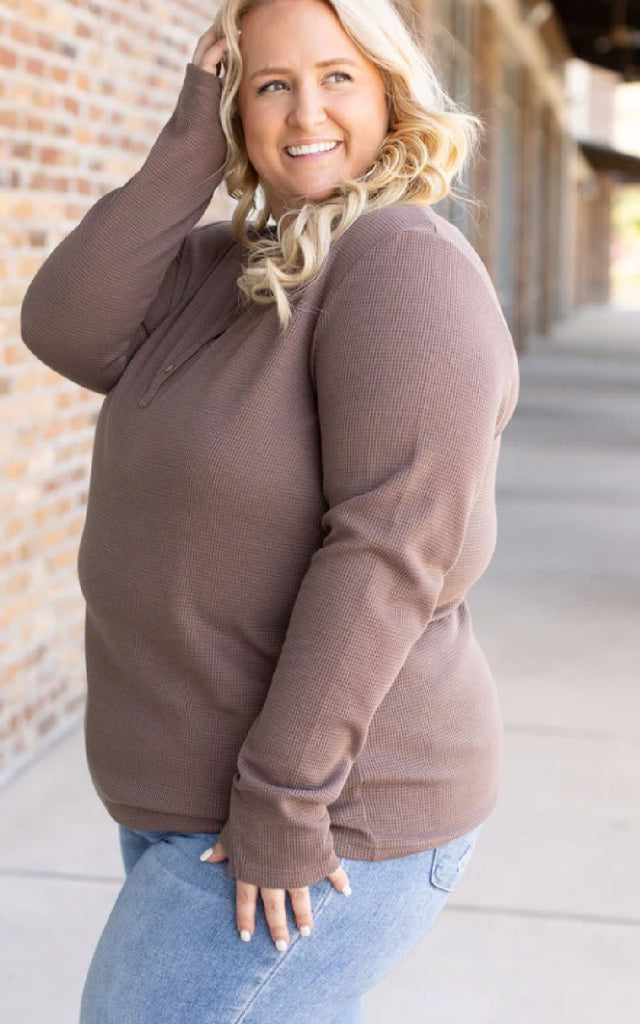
(429, 140)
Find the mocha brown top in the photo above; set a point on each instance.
(281, 527)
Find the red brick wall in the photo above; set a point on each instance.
(85, 88)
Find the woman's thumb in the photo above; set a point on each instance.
(214, 853)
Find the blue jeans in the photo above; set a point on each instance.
(170, 952)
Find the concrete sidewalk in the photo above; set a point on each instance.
(545, 925)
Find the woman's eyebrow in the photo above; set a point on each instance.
(320, 64)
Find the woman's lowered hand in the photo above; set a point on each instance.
(274, 902)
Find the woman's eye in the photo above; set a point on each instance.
(266, 87)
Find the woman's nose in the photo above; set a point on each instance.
(307, 109)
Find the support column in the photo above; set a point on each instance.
(523, 255)
(485, 173)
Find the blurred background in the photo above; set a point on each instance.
(545, 924)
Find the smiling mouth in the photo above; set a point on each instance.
(312, 156)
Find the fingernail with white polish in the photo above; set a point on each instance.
(207, 853)
(245, 935)
(281, 945)
(346, 891)
(305, 929)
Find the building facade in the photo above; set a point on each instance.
(546, 235)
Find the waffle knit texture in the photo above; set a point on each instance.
(281, 527)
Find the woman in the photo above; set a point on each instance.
(292, 490)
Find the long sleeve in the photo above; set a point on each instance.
(413, 369)
(117, 274)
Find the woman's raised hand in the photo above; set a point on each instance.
(209, 51)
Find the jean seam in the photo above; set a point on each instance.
(297, 938)
(188, 881)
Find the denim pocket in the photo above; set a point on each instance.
(450, 860)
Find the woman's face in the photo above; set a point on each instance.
(300, 102)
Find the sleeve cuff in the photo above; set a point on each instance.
(276, 854)
(199, 100)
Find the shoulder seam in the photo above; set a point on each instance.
(430, 233)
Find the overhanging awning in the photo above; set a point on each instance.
(604, 32)
(626, 166)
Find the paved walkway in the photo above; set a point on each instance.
(545, 925)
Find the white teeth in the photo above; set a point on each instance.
(322, 147)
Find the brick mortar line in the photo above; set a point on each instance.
(68, 145)
(85, 98)
(54, 471)
(86, 43)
